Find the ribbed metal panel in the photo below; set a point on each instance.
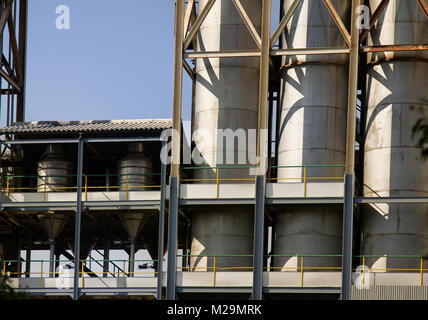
(87, 126)
(390, 293)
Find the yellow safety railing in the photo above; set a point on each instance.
(8, 265)
(85, 188)
(300, 267)
(218, 180)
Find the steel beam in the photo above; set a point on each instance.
(187, 17)
(248, 22)
(131, 262)
(348, 206)
(309, 51)
(22, 58)
(394, 48)
(51, 258)
(195, 28)
(178, 89)
(174, 184)
(284, 22)
(161, 233)
(222, 54)
(374, 17)
(4, 16)
(78, 219)
(391, 200)
(339, 21)
(348, 217)
(424, 6)
(87, 140)
(172, 238)
(258, 245)
(259, 214)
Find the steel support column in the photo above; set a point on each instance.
(78, 219)
(174, 186)
(259, 215)
(348, 205)
(131, 265)
(161, 233)
(51, 258)
(175, 151)
(259, 218)
(106, 255)
(28, 258)
(22, 48)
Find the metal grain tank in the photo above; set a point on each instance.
(131, 169)
(54, 171)
(313, 130)
(397, 96)
(226, 97)
(54, 175)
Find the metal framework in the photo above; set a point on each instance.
(188, 22)
(13, 17)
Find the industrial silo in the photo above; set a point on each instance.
(226, 97)
(134, 175)
(397, 96)
(312, 132)
(54, 175)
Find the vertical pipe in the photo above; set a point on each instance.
(258, 239)
(161, 233)
(28, 258)
(178, 88)
(349, 185)
(22, 46)
(51, 257)
(131, 264)
(106, 256)
(19, 259)
(57, 261)
(172, 238)
(175, 164)
(78, 219)
(257, 292)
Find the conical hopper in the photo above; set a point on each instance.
(53, 224)
(133, 223)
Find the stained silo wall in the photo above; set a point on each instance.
(226, 97)
(312, 132)
(397, 96)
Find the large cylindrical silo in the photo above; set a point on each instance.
(226, 97)
(312, 131)
(134, 175)
(397, 96)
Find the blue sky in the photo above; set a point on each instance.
(116, 61)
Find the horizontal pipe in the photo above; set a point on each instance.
(39, 141)
(87, 140)
(392, 48)
(222, 54)
(304, 51)
(391, 200)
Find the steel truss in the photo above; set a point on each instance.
(187, 24)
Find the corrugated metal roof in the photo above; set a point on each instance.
(87, 126)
